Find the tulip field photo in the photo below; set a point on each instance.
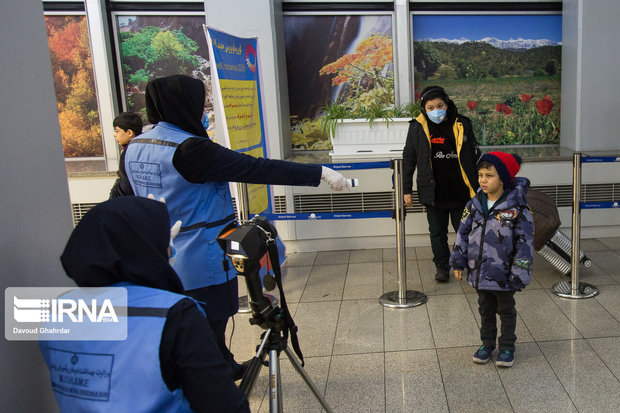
(501, 71)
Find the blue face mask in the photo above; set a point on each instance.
(437, 115)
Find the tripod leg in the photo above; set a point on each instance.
(275, 384)
(307, 379)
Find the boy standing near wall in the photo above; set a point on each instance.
(127, 126)
(495, 242)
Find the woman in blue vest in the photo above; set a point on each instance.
(176, 160)
(170, 361)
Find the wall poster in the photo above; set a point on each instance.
(158, 44)
(503, 71)
(335, 59)
(74, 84)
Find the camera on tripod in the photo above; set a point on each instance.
(246, 245)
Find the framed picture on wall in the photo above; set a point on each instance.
(503, 71)
(74, 84)
(156, 44)
(335, 58)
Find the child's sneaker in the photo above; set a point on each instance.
(483, 354)
(505, 358)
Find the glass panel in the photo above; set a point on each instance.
(502, 71)
(162, 45)
(74, 84)
(346, 60)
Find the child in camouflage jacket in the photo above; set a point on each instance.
(495, 242)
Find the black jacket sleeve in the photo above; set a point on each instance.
(122, 186)
(200, 160)
(191, 360)
(410, 157)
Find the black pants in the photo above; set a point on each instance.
(220, 302)
(438, 220)
(502, 303)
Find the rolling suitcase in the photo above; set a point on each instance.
(549, 242)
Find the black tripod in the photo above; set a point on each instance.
(246, 245)
(272, 343)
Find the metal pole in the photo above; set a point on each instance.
(402, 298)
(243, 203)
(575, 289)
(576, 233)
(275, 383)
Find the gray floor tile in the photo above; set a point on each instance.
(521, 331)
(294, 282)
(413, 382)
(296, 394)
(317, 323)
(390, 276)
(332, 257)
(424, 253)
(360, 327)
(407, 329)
(372, 255)
(326, 282)
(468, 385)
(389, 254)
(608, 261)
(589, 316)
(543, 318)
(364, 280)
(432, 287)
(297, 259)
(245, 337)
(531, 384)
(452, 321)
(592, 244)
(613, 243)
(609, 298)
(596, 275)
(589, 383)
(356, 383)
(607, 350)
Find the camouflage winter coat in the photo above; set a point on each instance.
(497, 250)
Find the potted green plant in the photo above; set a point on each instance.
(375, 131)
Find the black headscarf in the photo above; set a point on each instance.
(179, 100)
(123, 239)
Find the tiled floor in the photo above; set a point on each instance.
(367, 358)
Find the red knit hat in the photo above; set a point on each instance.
(507, 165)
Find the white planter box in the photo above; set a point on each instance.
(356, 139)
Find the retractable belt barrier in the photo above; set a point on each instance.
(338, 215)
(402, 298)
(574, 288)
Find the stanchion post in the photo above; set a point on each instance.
(402, 298)
(575, 289)
(243, 203)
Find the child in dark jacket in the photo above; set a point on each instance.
(127, 126)
(495, 242)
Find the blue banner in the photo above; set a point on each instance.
(234, 70)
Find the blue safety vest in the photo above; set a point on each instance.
(117, 376)
(204, 208)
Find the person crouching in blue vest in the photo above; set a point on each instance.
(170, 361)
(176, 160)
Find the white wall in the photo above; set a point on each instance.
(36, 213)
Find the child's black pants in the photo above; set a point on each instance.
(502, 303)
